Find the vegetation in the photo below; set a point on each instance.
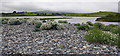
(23, 20)
(32, 14)
(37, 22)
(109, 27)
(89, 23)
(96, 14)
(4, 20)
(30, 21)
(92, 28)
(52, 18)
(83, 27)
(118, 42)
(44, 21)
(33, 21)
(51, 25)
(112, 25)
(95, 34)
(38, 25)
(115, 30)
(99, 25)
(77, 24)
(110, 18)
(36, 30)
(98, 36)
(14, 22)
(60, 21)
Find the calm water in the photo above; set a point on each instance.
(73, 20)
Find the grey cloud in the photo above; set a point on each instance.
(59, 0)
(79, 7)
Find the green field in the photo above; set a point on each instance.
(95, 14)
(105, 16)
(110, 18)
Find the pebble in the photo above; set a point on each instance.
(21, 39)
(85, 47)
(104, 46)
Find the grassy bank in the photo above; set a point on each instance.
(96, 14)
(110, 18)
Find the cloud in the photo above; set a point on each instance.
(59, 0)
(78, 7)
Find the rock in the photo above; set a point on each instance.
(104, 46)
(85, 47)
(96, 47)
(39, 42)
(21, 39)
(29, 46)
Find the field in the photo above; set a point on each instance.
(95, 14)
(105, 16)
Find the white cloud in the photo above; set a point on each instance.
(59, 0)
(76, 6)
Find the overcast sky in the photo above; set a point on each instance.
(78, 6)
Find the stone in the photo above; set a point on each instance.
(85, 47)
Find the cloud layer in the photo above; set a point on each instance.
(59, 0)
(62, 5)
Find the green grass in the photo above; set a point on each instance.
(77, 24)
(118, 42)
(109, 27)
(53, 18)
(99, 25)
(115, 30)
(60, 21)
(110, 18)
(83, 27)
(95, 14)
(89, 23)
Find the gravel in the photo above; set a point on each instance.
(21, 39)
